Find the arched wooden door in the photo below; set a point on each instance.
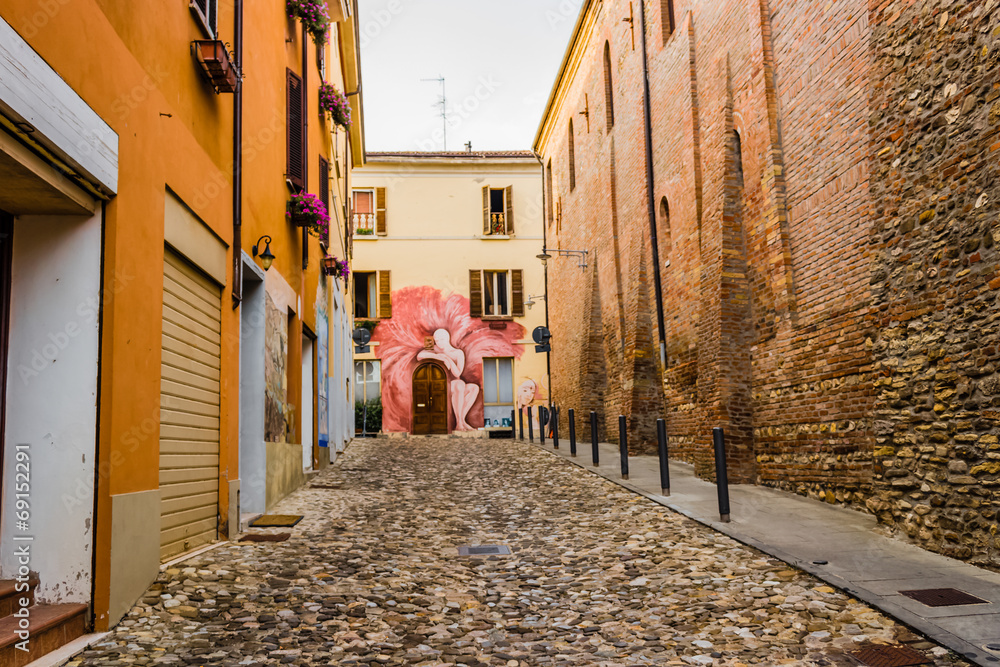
(430, 400)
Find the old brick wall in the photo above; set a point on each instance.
(935, 111)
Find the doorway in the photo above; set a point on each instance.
(430, 400)
(307, 402)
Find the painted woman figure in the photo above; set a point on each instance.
(463, 394)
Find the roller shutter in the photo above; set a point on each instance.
(189, 408)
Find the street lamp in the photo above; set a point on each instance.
(581, 256)
(531, 299)
(266, 258)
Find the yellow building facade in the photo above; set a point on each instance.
(447, 281)
(133, 193)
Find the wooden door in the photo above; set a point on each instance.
(430, 401)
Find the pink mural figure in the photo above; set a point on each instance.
(527, 393)
(426, 325)
(463, 394)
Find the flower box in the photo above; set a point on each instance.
(215, 65)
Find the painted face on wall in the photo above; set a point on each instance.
(526, 393)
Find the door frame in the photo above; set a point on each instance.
(6, 275)
(447, 397)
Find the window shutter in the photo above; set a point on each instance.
(384, 295)
(517, 292)
(324, 192)
(476, 293)
(380, 212)
(486, 210)
(509, 219)
(295, 156)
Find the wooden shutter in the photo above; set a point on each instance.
(296, 167)
(476, 293)
(509, 198)
(517, 292)
(486, 210)
(380, 212)
(384, 295)
(324, 192)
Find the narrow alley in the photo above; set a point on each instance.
(597, 576)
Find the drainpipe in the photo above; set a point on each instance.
(545, 268)
(305, 136)
(238, 158)
(657, 281)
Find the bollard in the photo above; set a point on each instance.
(661, 439)
(623, 444)
(721, 474)
(520, 421)
(555, 428)
(531, 429)
(572, 432)
(543, 421)
(513, 425)
(593, 438)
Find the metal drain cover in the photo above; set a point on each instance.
(943, 597)
(485, 550)
(880, 655)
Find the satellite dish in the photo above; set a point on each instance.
(361, 336)
(541, 335)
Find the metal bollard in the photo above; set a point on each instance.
(721, 474)
(520, 421)
(661, 439)
(531, 429)
(596, 452)
(513, 426)
(555, 428)
(623, 444)
(543, 421)
(572, 432)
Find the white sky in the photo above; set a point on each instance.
(499, 59)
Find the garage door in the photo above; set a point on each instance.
(189, 408)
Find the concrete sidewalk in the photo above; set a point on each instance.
(835, 544)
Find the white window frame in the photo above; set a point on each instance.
(502, 212)
(510, 292)
(512, 403)
(373, 214)
(205, 22)
(360, 386)
(372, 306)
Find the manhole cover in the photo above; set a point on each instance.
(486, 550)
(943, 597)
(266, 537)
(879, 655)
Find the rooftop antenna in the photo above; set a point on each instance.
(443, 103)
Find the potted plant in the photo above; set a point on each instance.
(337, 268)
(314, 16)
(306, 210)
(365, 231)
(335, 103)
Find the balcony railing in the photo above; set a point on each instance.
(498, 224)
(364, 224)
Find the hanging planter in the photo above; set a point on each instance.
(335, 103)
(306, 210)
(314, 16)
(336, 267)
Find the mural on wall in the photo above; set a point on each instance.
(427, 326)
(531, 394)
(275, 361)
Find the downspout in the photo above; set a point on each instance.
(238, 157)
(545, 269)
(305, 136)
(651, 194)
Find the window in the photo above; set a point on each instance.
(665, 241)
(496, 293)
(738, 158)
(548, 192)
(206, 13)
(364, 212)
(498, 391)
(295, 153)
(572, 159)
(367, 380)
(498, 211)
(372, 295)
(609, 92)
(667, 18)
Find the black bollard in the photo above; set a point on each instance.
(555, 428)
(543, 420)
(721, 474)
(593, 438)
(623, 444)
(513, 426)
(572, 432)
(531, 429)
(661, 439)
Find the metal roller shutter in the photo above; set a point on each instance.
(189, 408)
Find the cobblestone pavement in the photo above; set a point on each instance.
(598, 576)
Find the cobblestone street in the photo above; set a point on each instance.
(598, 576)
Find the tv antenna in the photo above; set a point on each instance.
(443, 103)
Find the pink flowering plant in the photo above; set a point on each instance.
(337, 268)
(335, 103)
(306, 210)
(314, 16)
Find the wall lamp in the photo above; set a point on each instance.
(531, 299)
(266, 258)
(581, 256)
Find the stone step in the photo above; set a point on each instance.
(10, 596)
(50, 626)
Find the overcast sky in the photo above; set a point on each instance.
(499, 59)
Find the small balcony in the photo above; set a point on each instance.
(498, 224)
(364, 224)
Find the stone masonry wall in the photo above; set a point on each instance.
(935, 151)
